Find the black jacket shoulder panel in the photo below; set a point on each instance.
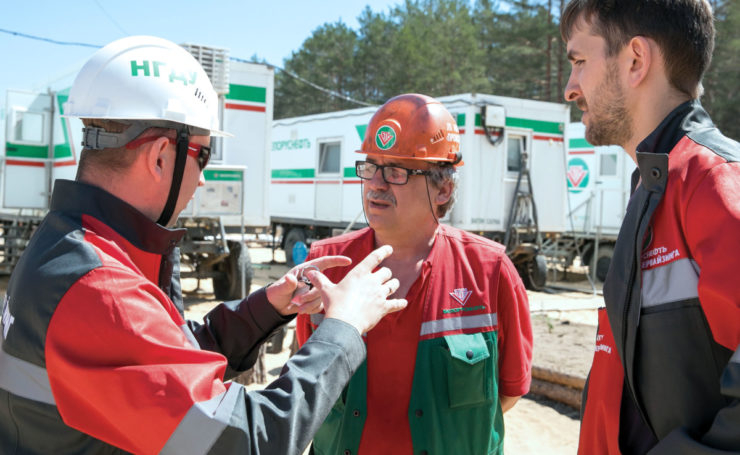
(715, 141)
(56, 256)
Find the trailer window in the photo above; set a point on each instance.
(329, 156)
(28, 127)
(608, 164)
(514, 148)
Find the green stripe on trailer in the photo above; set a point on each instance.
(63, 150)
(26, 151)
(538, 126)
(349, 172)
(215, 174)
(460, 120)
(292, 173)
(247, 93)
(579, 143)
(361, 131)
(36, 151)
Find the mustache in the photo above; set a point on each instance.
(581, 104)
(378, 195)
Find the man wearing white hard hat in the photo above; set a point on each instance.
(95, 356)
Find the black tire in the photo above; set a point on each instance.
(294, 236)
(227, 285)
(603, 261)
(535, 273)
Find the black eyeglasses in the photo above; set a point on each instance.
(394, 175)
(201, 153)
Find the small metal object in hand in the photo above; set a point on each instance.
(302, 278)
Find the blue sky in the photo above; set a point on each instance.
(271, 30)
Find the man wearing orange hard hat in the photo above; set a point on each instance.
(440, 374)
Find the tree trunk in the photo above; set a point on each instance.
(548, 80)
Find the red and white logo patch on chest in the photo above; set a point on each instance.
(461, 295)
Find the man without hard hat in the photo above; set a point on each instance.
(96, 356)
(665, 377)
(440, 374)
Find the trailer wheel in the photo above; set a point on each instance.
(227, 284)
(294, 236)
(535, 273)
(603, 260)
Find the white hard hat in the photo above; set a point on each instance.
(145, 78)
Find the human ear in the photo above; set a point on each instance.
(156, 158)
(640, 54)
(444, 193)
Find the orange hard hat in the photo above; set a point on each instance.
(415, 127)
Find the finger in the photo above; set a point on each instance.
(373, 260)
(394, 305)
(393, 285)
(309, 296)
(327, 262)
(286, 284)
(319, 280)
(311, 307)
(384, 274)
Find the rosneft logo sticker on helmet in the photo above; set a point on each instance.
(385, 137)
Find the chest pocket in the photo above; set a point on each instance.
(470, 364)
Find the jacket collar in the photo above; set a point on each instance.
(81, 198)
(686, 117)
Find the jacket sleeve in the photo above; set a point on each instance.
(515, 333)
(122, 370)
(237, 329)
(711, 228)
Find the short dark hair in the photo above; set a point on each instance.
(683, 29)
(112, 160)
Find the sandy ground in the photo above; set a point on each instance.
(564, 326)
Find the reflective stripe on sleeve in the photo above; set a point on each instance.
(459, 322)
(678, 280)
(204, 423)
(24, 379)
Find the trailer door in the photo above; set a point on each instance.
(611, 199)
(28, 150)
(517, 143)
(328, 202)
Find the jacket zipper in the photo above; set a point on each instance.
(631, 283)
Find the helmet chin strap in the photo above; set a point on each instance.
(181, 156)
(429, 198)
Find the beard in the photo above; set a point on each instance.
(610, 122)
